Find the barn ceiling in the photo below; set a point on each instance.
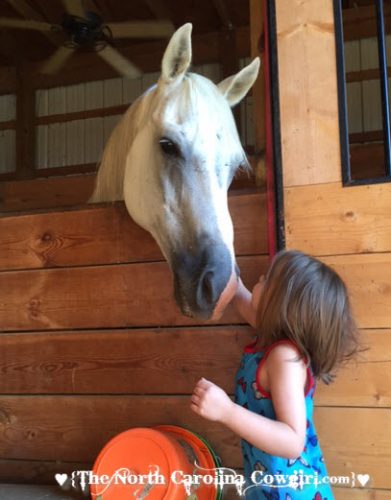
(17, 45)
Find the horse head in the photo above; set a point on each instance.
(172, 158)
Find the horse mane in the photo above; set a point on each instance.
(110, 176)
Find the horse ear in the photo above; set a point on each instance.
(177, 57)
(235, 87)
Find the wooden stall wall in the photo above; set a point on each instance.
(92, 342)
(349, 228)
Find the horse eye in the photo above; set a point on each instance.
(168, 147)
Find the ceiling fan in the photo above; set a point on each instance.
(86, 31)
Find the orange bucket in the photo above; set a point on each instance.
(161, 463)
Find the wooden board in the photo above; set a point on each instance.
(148, 361)
(63, 187)
(100, 296)
(76, 428)
(125, 295)
(329, 219)
(308, 92)
(45, 193)
(368, 277)
(97, 234)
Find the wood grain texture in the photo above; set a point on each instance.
(136, 361)
(73, 428)
(64, 187)
(16, 196)
(328, 219)
(115, 296)
(105, 234)
(368, 278)
(148, 361)
(308, 92)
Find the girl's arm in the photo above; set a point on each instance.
(284, 437)
(246, 303)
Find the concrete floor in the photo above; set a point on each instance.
(37, 492)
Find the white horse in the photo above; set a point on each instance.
(172, 158)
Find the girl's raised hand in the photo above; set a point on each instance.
(210, 401)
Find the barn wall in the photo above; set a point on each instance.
(349, 229)
(92, 342)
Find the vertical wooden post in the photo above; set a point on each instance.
(25, 126)
(258, 90)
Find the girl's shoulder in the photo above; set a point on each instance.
(279, 356)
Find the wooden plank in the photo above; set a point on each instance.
(45, 193)
(105, 234)
(82, 425)
(66, 189)
(365, 381)
(308, 92)
(73, 428)
(368, 278)
(81, 115)
(356, 440)
(11, 124)
(330, 219)
(100, 297)
(148, 361)
(137, 361)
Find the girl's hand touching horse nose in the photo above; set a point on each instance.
(210, 401)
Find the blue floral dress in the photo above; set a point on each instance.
(271, 477)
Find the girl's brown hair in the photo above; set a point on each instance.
(305, 301)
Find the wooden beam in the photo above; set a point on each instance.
(107, 296)
(80, 115)
(365, 74)
(105, 234)
(26, 11)
(258, 90)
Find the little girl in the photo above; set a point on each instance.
(302, 313)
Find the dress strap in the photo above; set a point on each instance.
(310, 382)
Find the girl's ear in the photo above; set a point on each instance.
(235, 87)
(177, 57)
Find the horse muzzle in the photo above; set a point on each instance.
(204, 280)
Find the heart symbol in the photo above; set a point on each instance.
(61, 478)
(363, 479)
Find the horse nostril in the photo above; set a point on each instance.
(207, 288)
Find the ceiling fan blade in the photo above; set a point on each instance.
(6, 22)
(74, 7)
(142, 29)
(55, 62)
(119, 62)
